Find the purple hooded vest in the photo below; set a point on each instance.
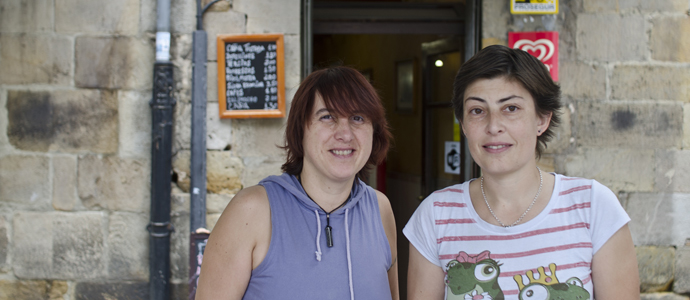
(299, 265)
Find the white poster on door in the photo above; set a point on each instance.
(452, 158)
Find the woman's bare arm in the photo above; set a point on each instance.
(389, 226)
(614, 268)
(236, 246)
(425, 281)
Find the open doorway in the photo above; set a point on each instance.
(410, 51)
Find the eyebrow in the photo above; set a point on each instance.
(499, 100)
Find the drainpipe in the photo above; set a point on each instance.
(197, 209)
(162, 106)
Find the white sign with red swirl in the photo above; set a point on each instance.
(540, 44)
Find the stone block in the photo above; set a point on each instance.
(258, 168)
(218, 131)
(258, 137)
(179, 249)
(180, 291)
(293, 65)
(111, 290)
(594, 6)
(671, 171)
(562, 134)
(134, 114)
(35, 59)
(32, 245)
(662, 296)
(656, 267)
(682, 275)
(78, 245)
(644, 82)
(26, 16)
(65, 183)
(129, 247)
(637, 125)
(659, 218)
(496, 26)
(4, 244)
(211, 220)
(624, 39)
(58, 290)
(180, 202)
(212, 83)
(230, 22)
(113, 62)
(619, 169)
(686, 126)
(63, 121)
(25, 181)
(582, 81)
(114, 183)
(223, 171)
(103, 17)
(180, 55)
(638, 6)
(668, 45)
(270, 15)
(216, 203)
(24, 289)
(182, 126)
(5, 146)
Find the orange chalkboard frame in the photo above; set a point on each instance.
(221, 41)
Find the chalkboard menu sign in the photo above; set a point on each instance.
(251, 81)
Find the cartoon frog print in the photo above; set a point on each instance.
(548, 287)
(473, 277)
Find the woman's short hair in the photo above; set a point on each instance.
(513, 64)
(345, 92)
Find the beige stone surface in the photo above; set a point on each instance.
(58, 289)
(179, 249)
(4, 244)
(78, 245)
(65, 183)
(629, 124)
(681, 283)
(113, 62)
(182, 126)
(223, 171)
(257, 168)
(668, 45)
(624, 39)
(219, 23)
(562, 133)
(218, 131)
(103, 17)
(211, 220)
(619, 169)
(25, 181)
(671, 171)
(26, 16)
(63, 121)
(128, 252)
(656, 267)
(662, 296)
(35, 59)
(686, 126)
(628, 6)
(650, 82)
(659, 218)
(32, 245)
(134, 118)
(216, 203)
(23, 289)
(113, 183)
(582, 81)
(270, 15)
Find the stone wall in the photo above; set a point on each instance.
(625, 79)
(75, 131)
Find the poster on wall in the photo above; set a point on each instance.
(540, 44)
(538, 7)
(251, 80)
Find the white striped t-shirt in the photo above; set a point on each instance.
(550, 255)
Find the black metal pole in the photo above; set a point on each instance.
(162, 106)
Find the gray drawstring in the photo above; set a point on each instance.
(318, 235)
(349, 260)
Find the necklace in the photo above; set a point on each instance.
(328, 229)
(523, 214)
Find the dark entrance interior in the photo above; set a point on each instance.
(410, 51)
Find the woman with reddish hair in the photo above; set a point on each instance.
(317, 231)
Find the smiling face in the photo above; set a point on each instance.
(501, 125)
(335, 147)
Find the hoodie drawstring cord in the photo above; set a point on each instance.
(318, 235)
(349, 260)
